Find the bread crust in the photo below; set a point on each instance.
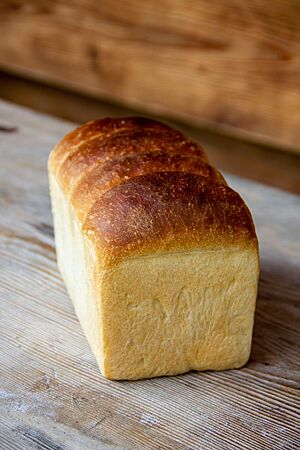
(103, 130)
(104, 177)
(138, 186)
(168, 211)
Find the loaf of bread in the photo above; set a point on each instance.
(159, 255)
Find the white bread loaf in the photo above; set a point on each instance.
(159, 255)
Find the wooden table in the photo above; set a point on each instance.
(52, 394)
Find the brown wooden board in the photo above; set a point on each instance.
(229, 64)
(246, 159)
(52, 395)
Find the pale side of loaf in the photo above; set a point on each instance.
(159, 255)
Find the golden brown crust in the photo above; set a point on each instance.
(138, 186)
(103, 129)
(101, 150)
(104, 177)
(167, 211)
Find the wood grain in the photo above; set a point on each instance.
(262, 163)
(52, 395)
(233, 65)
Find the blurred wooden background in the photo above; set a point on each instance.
(227, 72)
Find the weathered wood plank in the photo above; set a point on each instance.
(243, 158)
(52, 395)
(231, 64)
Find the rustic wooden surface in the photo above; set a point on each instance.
(52, 395)
(230, 64)
(262, 163)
